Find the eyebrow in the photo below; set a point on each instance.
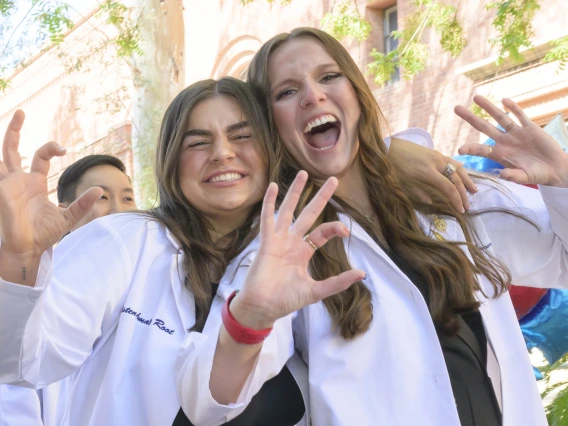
(292, 80)
(228, 129)
(106, 188)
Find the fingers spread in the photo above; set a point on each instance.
(286, 211)
(477, 149)
(267, 214)
(477, 123)
(493, 111)
(309, 215)
(40, 162)
(517, 110)
(82, 205)
(326, 231)
(10, 153)
(334, 285)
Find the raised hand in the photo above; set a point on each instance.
(529, 154)
(29, 223)
(278, 282)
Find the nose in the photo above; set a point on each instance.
(115, 205)
(222, 150)
(312, 94)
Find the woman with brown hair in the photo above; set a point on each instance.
(430, 336)
(112, 304)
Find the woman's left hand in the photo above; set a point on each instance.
(414, 161)
(529, 154)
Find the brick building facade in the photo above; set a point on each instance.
(222, 36)
(196, 39)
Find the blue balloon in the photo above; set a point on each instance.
(545, 327)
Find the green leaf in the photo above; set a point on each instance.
(346, 23)
(513, 22)
(559, 53)
(384, 66)
(6, 7)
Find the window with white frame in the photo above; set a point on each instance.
(390, 24)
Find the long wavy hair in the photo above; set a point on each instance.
(449, 274)
(205, 260)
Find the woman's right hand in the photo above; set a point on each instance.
(29, 223)
(278, 282)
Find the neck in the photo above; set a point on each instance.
(353, 190)
(222, 226)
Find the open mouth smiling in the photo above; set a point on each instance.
(322, 132)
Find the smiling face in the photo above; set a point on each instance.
(221, 171)
(315, 107)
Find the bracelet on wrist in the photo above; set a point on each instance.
(238, 332)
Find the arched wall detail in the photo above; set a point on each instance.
(234, 58)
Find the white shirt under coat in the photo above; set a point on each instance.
(109, 308)
(395, 373)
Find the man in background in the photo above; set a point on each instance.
(21, 406)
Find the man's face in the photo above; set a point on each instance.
(118, 195)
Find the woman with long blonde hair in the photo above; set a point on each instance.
(429, 336)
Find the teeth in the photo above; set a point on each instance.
(319, 121)
(325, 148)
(226, 177)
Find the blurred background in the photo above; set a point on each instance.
(97, 76)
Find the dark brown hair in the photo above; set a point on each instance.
(450, 275)
(205, 261)
(71, 177)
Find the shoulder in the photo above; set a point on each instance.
(127, 233)
(500, 194)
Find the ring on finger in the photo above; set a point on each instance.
(449, 171)
(490, 150)
(310, 242)
(510, 126)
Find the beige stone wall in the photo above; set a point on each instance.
(102, 108)
(71, 108)
(221, 36)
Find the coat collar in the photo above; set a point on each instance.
(184, 299)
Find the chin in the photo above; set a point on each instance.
(325, 169)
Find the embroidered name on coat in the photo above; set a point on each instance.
(158, 322)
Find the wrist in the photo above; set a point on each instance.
(250, 315)
(560, 178)
(19, 268)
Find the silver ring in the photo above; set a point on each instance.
(510, 126)
(490, 150)
(302, 103)
(310, 242)
(450, 170)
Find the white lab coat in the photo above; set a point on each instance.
(110, 309)
(395, 374)
(22, 406)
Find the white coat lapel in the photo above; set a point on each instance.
(184, 300)
(356, 231)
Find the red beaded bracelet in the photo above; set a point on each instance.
(240, 333)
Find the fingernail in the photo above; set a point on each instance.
(476, 188)
(346, 229)
(463, 210)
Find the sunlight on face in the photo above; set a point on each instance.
(315, 107)
(221, 171)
